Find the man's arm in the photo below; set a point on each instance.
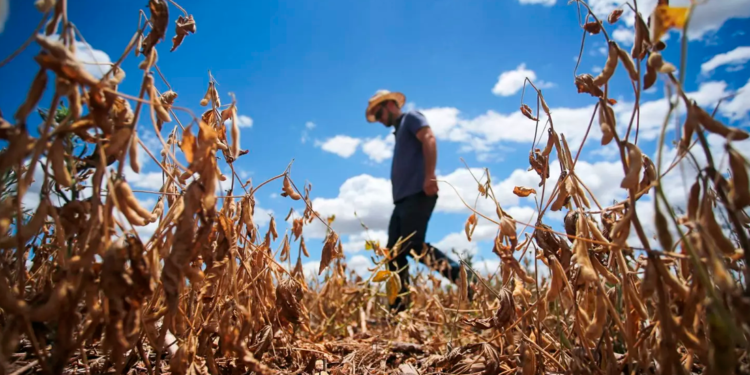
(429, 150)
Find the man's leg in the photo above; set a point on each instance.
(440, 261)
(400, 262)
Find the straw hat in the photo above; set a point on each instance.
(381, 96)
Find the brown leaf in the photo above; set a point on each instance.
(614, 16)
(393, 288)
(739, 192)
(506, 313)
(182, 28)
(158, 21)
(188, 145)
(328, 251)
(593, 27)
(471, 224)
(585, 84)
(523, 191)
(527, 112)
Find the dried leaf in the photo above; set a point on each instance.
(739, 192)
(381, 276)
(393, 288)
(523, 191)
(593, 27)
(614, 16)
(527, 112)
(182, 28)
(471, 224)
(189, 145)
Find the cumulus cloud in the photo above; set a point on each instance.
(379, 149)
(341, 145)
(738, 107)
(367, 196)
(244, 121)
(511, 82)
(360, 264)
(624, 36)
(356, 242)
(735, 58)
(456, 242)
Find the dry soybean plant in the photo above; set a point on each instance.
(82, 292)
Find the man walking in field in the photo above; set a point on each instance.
(414, 186)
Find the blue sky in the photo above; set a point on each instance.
(302, 73)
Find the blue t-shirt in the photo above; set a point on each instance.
(407, 170)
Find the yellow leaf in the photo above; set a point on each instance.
(368, 245)
(665, 18)
(331, 219)
(393, 287)
(381, 276)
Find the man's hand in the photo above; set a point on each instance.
(430, 185)
(429, 150)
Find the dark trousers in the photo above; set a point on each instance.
(411, 215)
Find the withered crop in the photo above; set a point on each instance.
(82, 292)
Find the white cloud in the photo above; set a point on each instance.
(4, 11)
(379, 149)
(736, 57)
(243, 121)
(624, 36)
(146, 180)
(310, 269)
(511, 82)
(738, 107)
(310, 125)
(443, 121)
(360, 265)
(370, 197)
(539, 2)
(487, 267)
(458, 242)
(341, 145)
(356, 242)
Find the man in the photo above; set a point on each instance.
(414, 186)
